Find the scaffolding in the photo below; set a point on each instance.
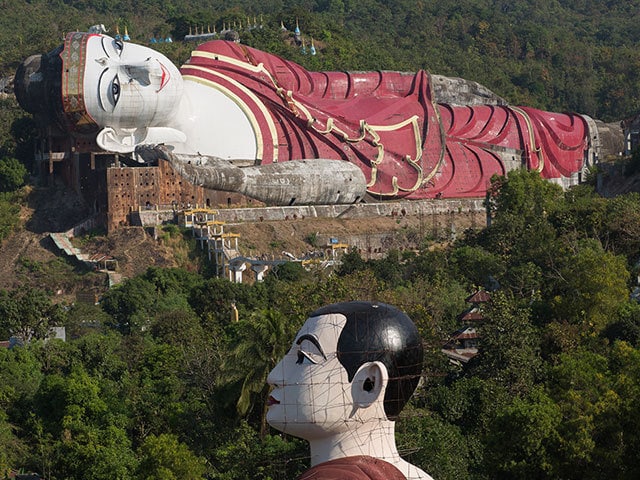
(222, 247)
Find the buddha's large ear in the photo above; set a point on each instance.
(125, 140)
(369, 384)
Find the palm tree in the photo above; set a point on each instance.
(263, 340)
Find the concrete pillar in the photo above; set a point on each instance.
(260, 270)
(235, 272)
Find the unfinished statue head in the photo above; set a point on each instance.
(350, 371)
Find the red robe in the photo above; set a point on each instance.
(353, 468)
(387, 123)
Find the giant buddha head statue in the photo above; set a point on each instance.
(121, 92)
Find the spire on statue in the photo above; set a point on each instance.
(296, 34)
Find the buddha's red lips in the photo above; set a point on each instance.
(166, 76)
(272, 401)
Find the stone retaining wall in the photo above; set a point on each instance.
(151, 217)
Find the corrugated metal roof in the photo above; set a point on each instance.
(481, 296)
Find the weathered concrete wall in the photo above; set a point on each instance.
(439, 218)
(152, 217)
(360, 210)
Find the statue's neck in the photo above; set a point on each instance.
(375, 439)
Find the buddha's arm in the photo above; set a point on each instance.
(300, 182)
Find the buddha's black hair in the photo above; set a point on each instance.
(380, 332)
(38, 86)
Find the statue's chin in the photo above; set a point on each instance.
(307, 430)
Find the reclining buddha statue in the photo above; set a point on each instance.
(235, 118)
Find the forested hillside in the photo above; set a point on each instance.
(159, 381)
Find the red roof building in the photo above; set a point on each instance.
(463, 345)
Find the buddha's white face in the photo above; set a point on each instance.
(128, 85)
(311, 391)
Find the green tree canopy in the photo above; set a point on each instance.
(12, 174)
(28, 313)
(164, 457)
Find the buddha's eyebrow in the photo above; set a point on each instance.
(313, 340)
(100, 88)
(105, 50)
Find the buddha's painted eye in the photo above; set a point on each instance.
(109, 91)
(115, 90)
